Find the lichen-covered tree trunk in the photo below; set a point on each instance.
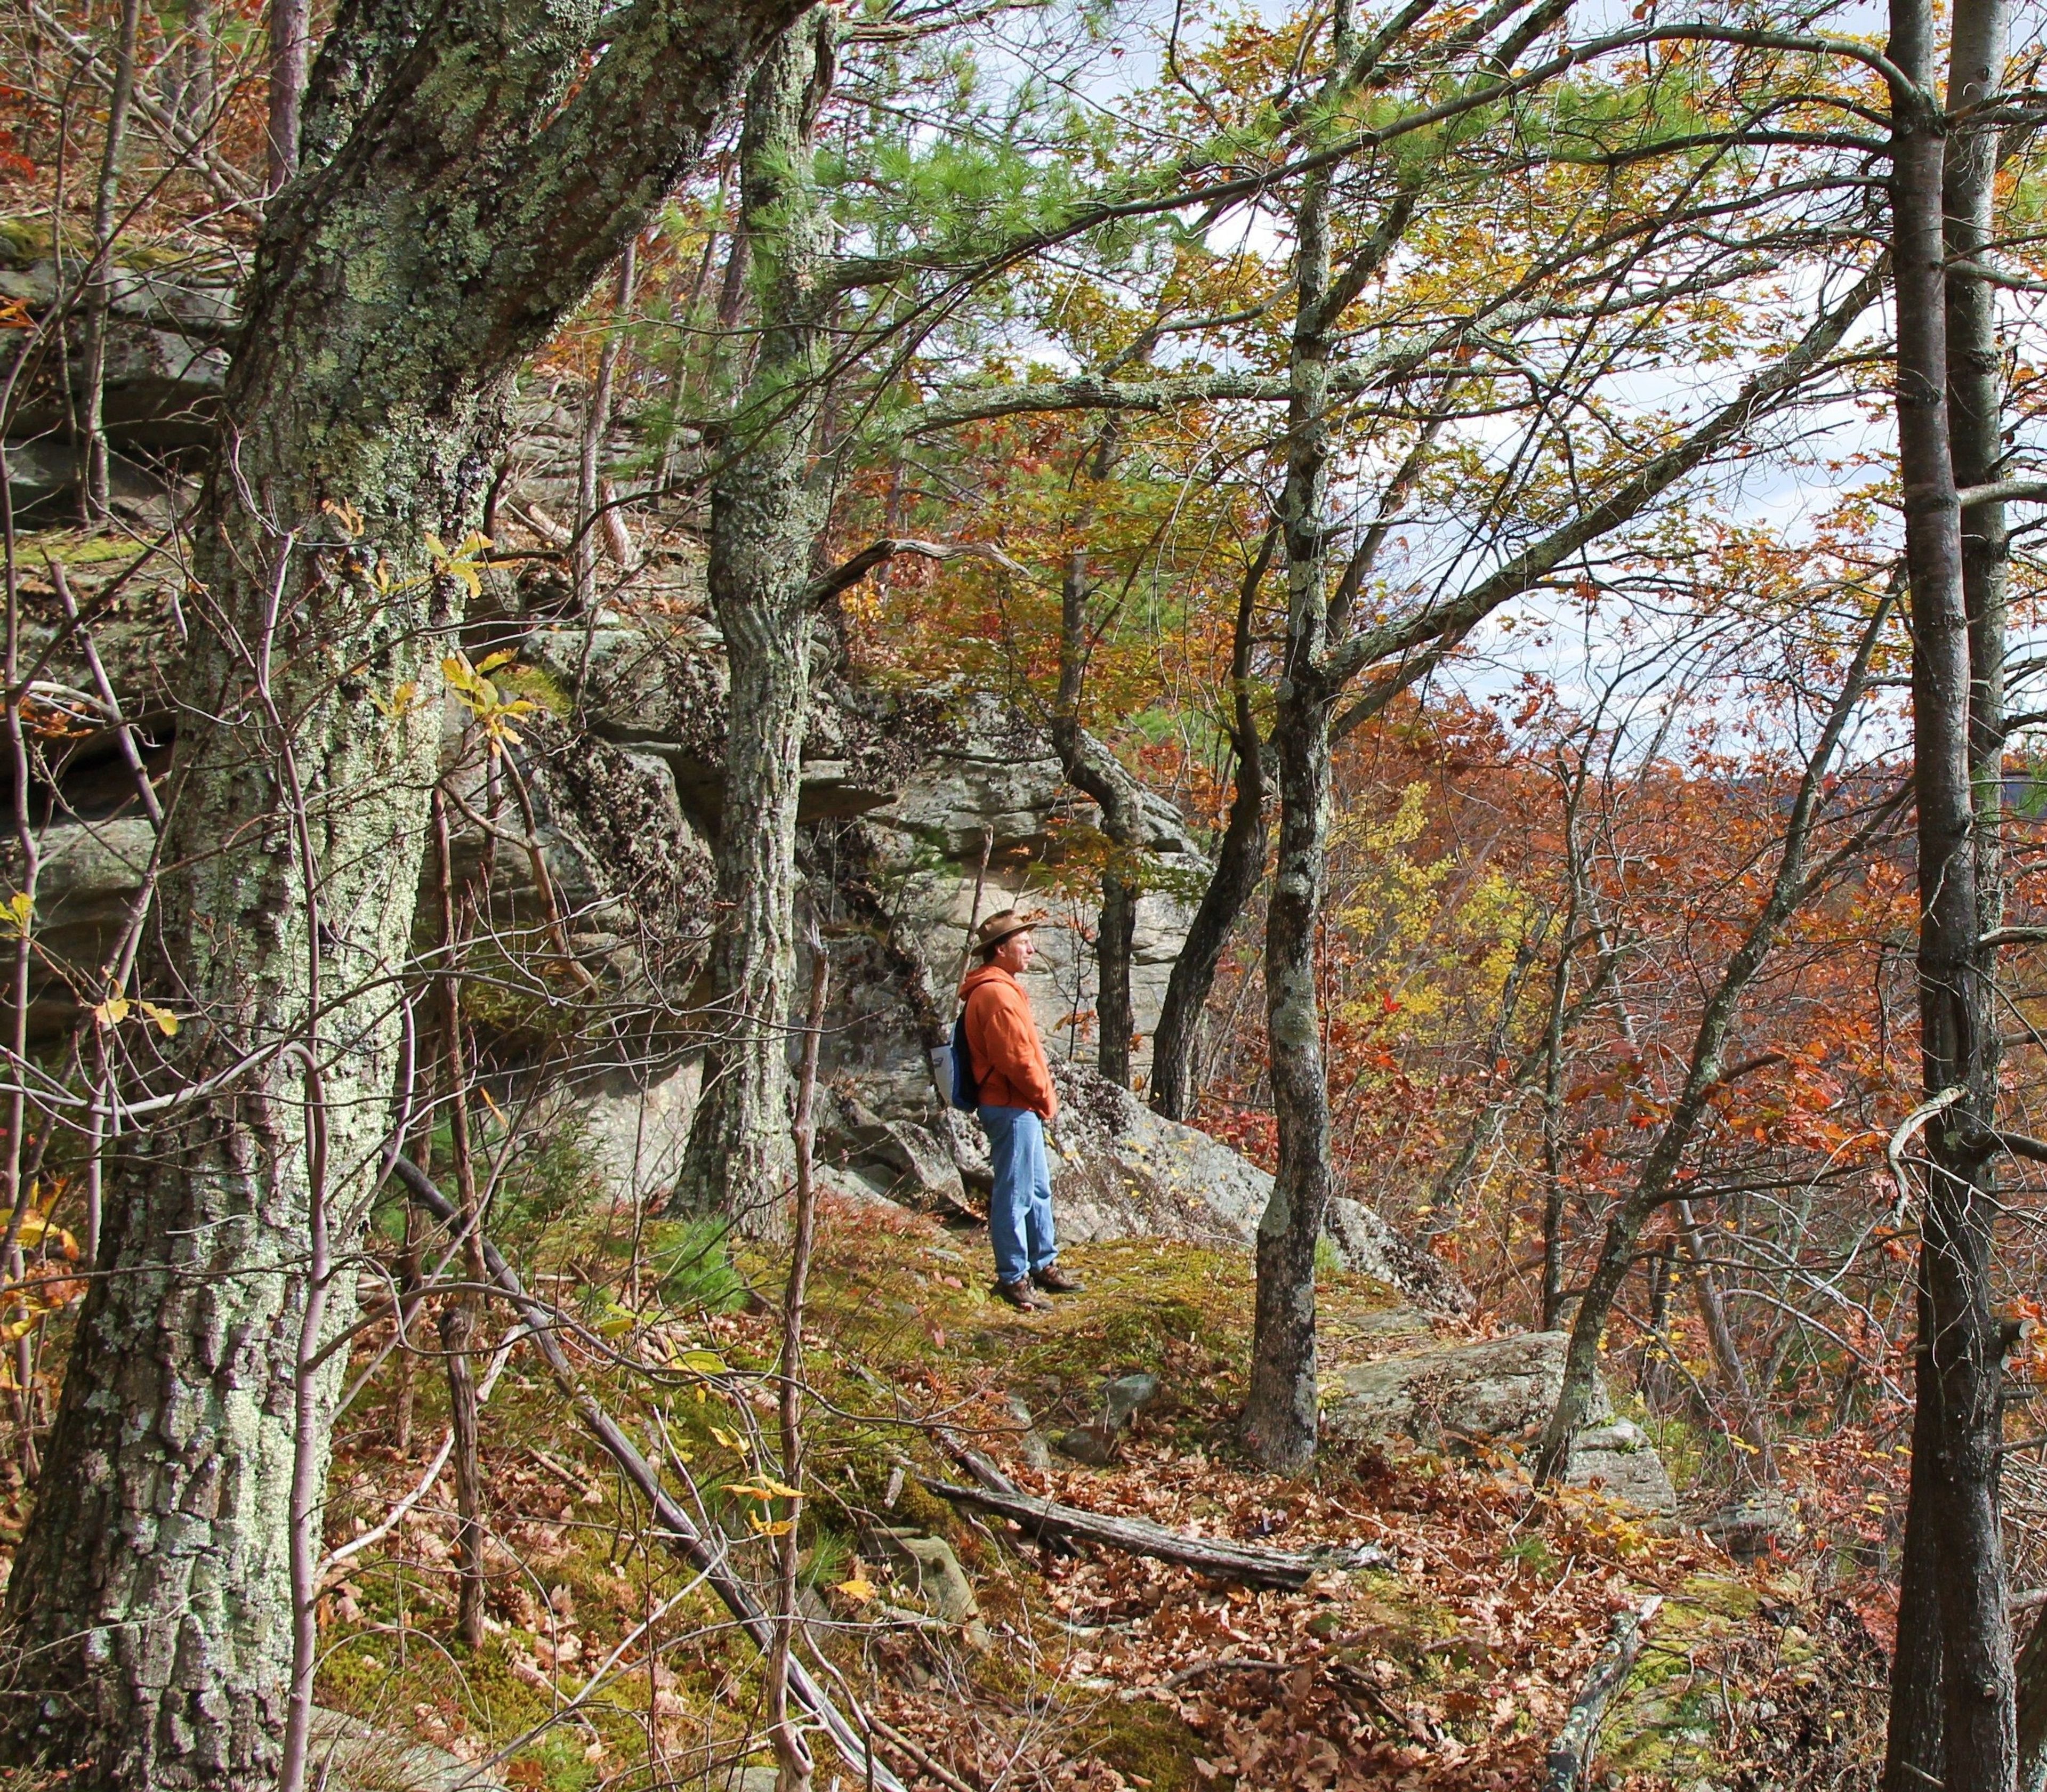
(1280, 1415)
(769, 503)
(1281, 1418)
(402, 276)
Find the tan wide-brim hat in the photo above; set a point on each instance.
(996, 928)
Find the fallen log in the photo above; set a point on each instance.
(1571, 1755)
(709, 1559)
(1227, 1561)
(984, 1470)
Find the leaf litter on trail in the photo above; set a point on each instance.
(1450, 1667)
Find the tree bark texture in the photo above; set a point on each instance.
(1281, 1418)
(1964, 1349)
(1240, 864)
(1912, 1759)
(398, 284)
(769, 503)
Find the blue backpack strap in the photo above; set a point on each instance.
(966, 1085)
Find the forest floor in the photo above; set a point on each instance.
(1452, 1667)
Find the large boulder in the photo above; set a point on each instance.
(1500, 1391)
(1120, 1171)
(168, 325)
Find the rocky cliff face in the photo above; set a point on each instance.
(588, 856)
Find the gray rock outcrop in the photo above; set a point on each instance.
(168, 326)
(1501, 1390)
(349, 1756)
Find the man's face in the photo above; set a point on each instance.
(1016, 953)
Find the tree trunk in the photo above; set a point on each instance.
(389, 304)
(193, 105)
(1115, 944)
(1240, 863)
(1281, 1417)
(1912, 1760)
(1957, 1030)
(458, 1332)
(1096, 772)
(1653, 1382)
(768, 506)
(1176, 1046)
(100, 293)
(290, 41)
(1554, 1194)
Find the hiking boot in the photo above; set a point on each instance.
(1019, 1295)
(1055, 1280)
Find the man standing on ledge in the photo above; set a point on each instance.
(1016, 1103)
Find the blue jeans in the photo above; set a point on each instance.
(1019, 1217)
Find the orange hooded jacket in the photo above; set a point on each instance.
(1002, 1038)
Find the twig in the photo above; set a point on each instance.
(1232, 1664)
(789, 1753)
(332, 1568)
(919, 1758)
(109, 704)
(828, 584)
(1907, 1127)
